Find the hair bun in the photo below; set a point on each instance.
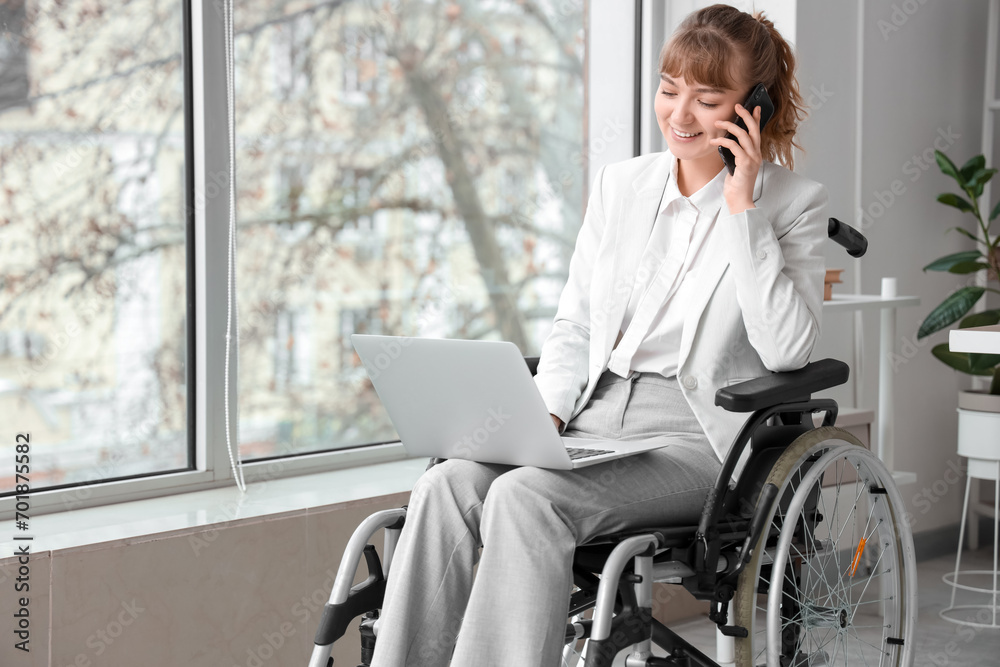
(768, 23)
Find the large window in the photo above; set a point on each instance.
(93, 268)
(415, 167)
(407, 168)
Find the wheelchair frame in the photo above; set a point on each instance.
(706, 559)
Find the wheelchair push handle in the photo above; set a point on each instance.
(847, 236)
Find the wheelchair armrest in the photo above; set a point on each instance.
(784, 387)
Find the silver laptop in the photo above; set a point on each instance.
(476, 400)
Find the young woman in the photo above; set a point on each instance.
(685, 279)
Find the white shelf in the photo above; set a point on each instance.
(848, 417)
(844, 302)
(886, 303)
(975, 339)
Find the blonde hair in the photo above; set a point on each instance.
(724, 47)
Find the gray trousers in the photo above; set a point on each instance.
(528, 522)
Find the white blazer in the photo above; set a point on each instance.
(758, 306)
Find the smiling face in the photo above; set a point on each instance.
(692, 109)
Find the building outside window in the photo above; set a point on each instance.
(441, 198)
(372, 149)
(93, 242)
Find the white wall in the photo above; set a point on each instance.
(780, 12)
(919, 80)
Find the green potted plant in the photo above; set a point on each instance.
(971, 178)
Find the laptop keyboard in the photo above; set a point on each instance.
(585, 452)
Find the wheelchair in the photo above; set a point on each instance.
(807, 559)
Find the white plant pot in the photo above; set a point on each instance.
(979, 432)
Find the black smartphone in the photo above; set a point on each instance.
(758, 98)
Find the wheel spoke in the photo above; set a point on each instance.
(826, 639)
(832, 515)
(836, 521)
(865, 535)
(831, 518)
(873, 575)
(818, 587)
(858, 637)
(814, 562)
(881, 553)
(863, 658)
(858, 604)
(836, 645)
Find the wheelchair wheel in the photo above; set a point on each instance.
(832, 580)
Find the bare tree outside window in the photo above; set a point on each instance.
(442, 146)
(291, 60)
(92, 238)
(407, 167)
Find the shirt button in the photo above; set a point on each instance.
(761, 254)
(690, 381)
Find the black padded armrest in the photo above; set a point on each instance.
(783, 387)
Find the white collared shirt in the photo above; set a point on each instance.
(666, 277)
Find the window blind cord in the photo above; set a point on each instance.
(232, 305)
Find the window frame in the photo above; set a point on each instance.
(612, 134)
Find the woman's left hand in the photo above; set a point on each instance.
(738, 188)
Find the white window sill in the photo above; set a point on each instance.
(142, 520)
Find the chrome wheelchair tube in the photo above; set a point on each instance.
(643, 599)
(644, 588)
(349, 566)
(389, 548)
(391, 538)
(612, 572)
(355, 549)
(671, 572)
(320, 656)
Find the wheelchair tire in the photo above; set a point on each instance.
(838, 540)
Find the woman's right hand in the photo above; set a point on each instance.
(558, 422)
